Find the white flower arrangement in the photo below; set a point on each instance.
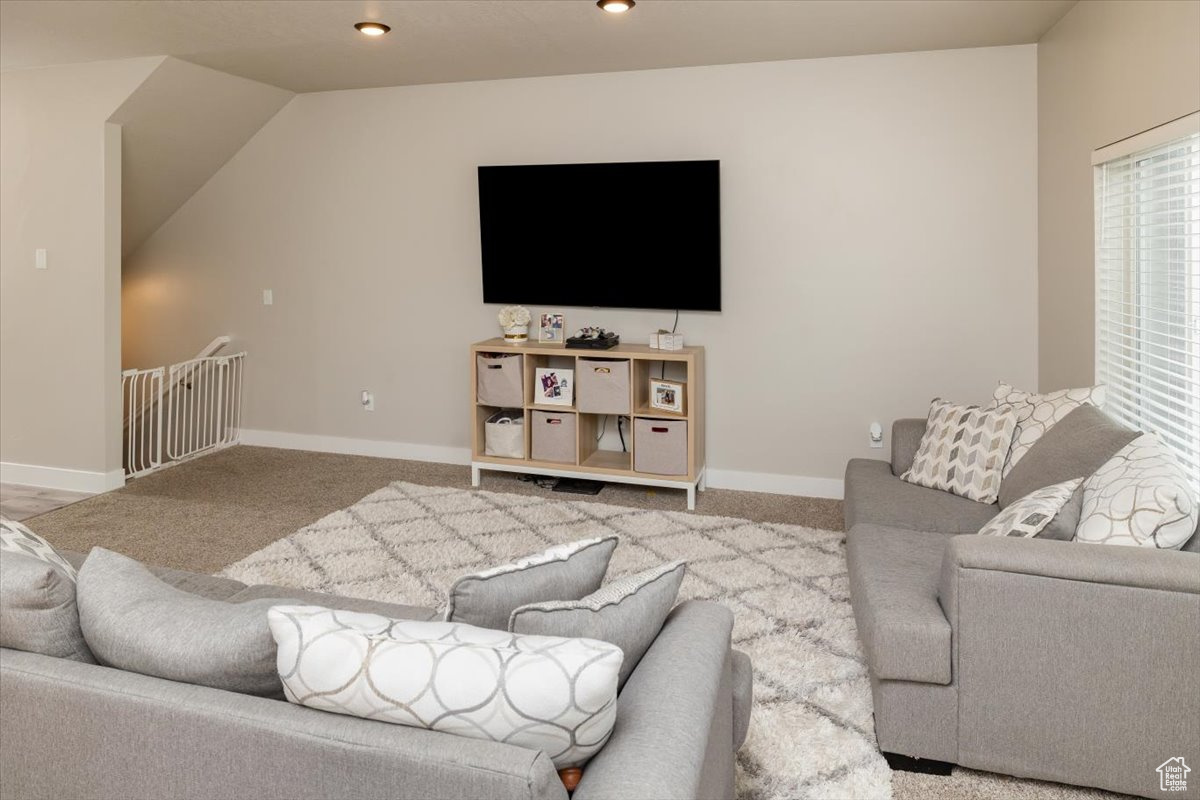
(514, 317)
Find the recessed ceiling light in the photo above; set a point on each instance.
(372, 28)
(615, 6)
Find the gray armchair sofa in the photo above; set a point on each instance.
(73, 730)
(1043, 659)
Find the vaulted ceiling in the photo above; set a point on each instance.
(312, 45)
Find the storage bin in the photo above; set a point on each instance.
(498, 381)
(602, 386)
(660, 446)
(553, 437)
(504, 434)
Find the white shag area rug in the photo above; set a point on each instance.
(811, 733)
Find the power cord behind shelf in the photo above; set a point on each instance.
(674, 327)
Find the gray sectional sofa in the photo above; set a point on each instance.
(1063, 661)
(74, 730)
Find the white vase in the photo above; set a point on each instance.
(516, 334)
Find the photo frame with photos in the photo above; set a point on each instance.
(553, 387)
(553, 328)
(667, 395)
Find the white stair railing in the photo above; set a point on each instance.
(203, 405)
(184, 410)
(142, 394)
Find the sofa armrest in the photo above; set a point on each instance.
(1053, 642)
(906, 439)
(674, 736)
(1136, 567)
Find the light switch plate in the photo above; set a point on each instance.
(39, 258)
(268, 297)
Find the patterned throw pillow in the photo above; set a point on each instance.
(1030, 515)
(541, 692)
(565, 572)
(16, 538)
(628, 613)
(1038, 413)
(1141, 496)
(963, 450)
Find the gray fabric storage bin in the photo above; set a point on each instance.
(660, 446)
(498, 381)
(553, 437)
(602, 386)
(504, 434)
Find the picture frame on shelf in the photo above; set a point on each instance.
(667, 395)
(553, 328)
(554, 387)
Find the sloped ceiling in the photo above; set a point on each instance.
(178, 128)
(312, 46)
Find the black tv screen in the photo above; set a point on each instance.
(629, 235)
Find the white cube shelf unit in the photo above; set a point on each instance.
(645, 364)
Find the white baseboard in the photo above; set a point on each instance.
(717, 478)
(70, 480)
(356, 447)
(772, 483)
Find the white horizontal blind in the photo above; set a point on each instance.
(1148, 292)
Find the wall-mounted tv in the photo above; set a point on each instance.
(642, 234)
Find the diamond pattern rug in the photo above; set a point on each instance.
(811, 734)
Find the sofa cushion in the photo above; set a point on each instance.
(540, 692)
(894, 575)
(285, 594)
(963, 450)
(134, 621)
(38, 612)
(1074, 447)
(210, 586)
(564, 572)
(628, 613)
(874, 495)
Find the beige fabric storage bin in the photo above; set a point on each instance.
(602, 386)
(499, 379)
(660, 446)
(504, 434)
(553, 437)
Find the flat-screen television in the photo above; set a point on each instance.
(644, 234)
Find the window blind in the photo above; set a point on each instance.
(1148, 291)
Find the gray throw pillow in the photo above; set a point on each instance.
(134, 621)
(1063, 526)
(1075, 447)
(565, 572)
(628, 613)
(38, 612)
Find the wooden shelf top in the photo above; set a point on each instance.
(547, 407)
(623, 350)
(656, 413)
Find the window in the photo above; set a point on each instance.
(1148, 284)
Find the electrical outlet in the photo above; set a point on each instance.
(368, 400)
(875, 435)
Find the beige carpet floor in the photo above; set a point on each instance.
(209, 513)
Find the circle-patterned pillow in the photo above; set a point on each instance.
(1141, 496)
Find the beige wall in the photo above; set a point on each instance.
(878, 231)
(178, 128)
(60, 328)
(1106, 71)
